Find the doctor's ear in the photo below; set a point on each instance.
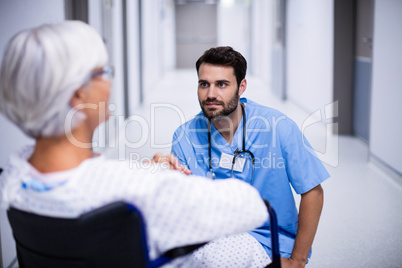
(242, 86)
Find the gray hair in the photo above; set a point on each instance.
(41, 69)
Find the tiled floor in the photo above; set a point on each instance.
(361, 224)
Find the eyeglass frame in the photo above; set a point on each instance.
(107, 73)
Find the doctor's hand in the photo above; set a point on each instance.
(291, 263)
(172, 161)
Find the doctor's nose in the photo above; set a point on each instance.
(212, 92)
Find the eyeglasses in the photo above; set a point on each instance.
(106, 72)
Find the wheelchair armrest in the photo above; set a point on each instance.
(175, 253)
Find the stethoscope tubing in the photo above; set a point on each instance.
(237, 151)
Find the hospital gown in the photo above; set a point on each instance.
(177, 210)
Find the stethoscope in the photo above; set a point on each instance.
(237, 152)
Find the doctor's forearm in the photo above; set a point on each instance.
(309, 214)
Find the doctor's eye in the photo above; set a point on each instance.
(203, 84)
(221, 84)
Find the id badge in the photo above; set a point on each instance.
(227, 159)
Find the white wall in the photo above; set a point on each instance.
(310, 53)
(386, 98)
(151, 59)
(168, 35)
(133, 57)
(158, 43)
(117, 94)
(234, 26)
(16, 15)
(95, 14)
(261, 39)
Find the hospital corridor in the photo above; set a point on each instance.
(359, 225)
(332, 66)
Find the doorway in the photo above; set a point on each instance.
(196, 31)
(362, 70)
(279, 50)
(353, 29)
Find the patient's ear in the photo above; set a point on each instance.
(77, 97)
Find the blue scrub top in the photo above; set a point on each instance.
(281, 161)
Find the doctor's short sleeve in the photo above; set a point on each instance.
(177, 142)
(305, 170)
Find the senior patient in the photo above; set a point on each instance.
(54, 86)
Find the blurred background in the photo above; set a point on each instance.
(334, 66)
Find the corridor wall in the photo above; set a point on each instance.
(234, 26)
(386, 109)
(310, 53)
(261, 20)
(158, 41)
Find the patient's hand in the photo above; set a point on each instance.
(172, 161)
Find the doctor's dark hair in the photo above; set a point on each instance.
(225, 56)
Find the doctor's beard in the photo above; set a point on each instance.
(227, 107)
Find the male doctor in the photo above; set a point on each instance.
(236, 137)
